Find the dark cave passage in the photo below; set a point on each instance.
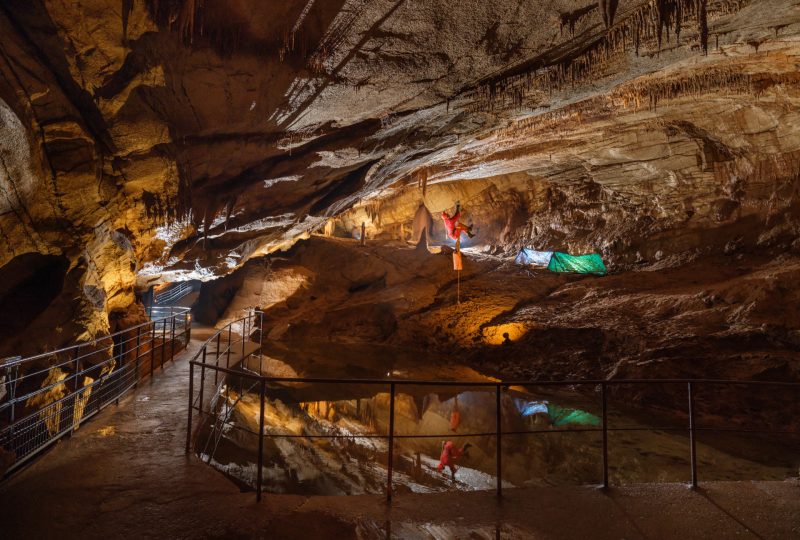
(28, 284)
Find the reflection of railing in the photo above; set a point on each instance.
(173, 293)
(245, 326)
(200, 362)
(50, 395)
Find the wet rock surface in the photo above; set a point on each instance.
(126, 474)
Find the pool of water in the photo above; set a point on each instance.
(331, 439)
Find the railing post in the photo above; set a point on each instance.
(391, 445)
(499, 435)
(228, 363)
(692, 440)
(244, 333)
(189, 421)
(75, 394)
(136, 360)
(12, 396)
(172, 345)
(259, 474)
(100, 382)
(121, 364)
(202, 378)
(163, 343)
(13, 374)
(604, 387)
(216, 372)
(152, 350)
(261, 342)
(77, 368)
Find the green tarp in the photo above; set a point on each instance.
(562, 416)
(582, 264)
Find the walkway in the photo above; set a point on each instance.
(125, 475)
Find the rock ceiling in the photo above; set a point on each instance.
(153, 140)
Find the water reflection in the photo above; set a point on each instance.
(331, 439)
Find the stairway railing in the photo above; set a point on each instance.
(228, 348)
(173, 293)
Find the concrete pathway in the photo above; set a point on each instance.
(125, 475)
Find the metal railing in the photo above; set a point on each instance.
(173, 293)
(49, 395)
(256, 380)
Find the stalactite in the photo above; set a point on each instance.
(646, 27)
(653, 91)
(127, 8)
(178, 15)
(572, 18)
(609, 10)
(373, 211)
(422, 180)
(702, 23)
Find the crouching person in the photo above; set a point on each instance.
(450, 454)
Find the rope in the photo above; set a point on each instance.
(458, 294)
(458, 272)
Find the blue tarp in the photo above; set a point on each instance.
(534, 407)
(529, 256)
(558, 416)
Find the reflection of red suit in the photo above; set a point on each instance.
(455, 416)
(453, 227)
(450, 455)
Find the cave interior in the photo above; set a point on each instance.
(626, 175)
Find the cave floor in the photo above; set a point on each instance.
(125, 475)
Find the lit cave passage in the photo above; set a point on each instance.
(400, 269)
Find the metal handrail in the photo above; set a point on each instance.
(173, 312)
(75, 386)
(500, 386)
(176, 292)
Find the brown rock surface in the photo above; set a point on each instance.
(727, 316)
(150, 141)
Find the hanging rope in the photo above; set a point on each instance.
(458, 294)
(457, 265)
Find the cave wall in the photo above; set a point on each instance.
(148, 142)
(635, 183)
(65, 178)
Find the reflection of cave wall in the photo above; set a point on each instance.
(28, 285)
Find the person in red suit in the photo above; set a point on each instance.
(450, 454)
(453, 226)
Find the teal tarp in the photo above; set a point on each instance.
(582, 264)
(562, 416)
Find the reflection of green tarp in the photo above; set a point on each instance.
(561, 416)
(582, 264)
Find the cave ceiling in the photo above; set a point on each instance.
(180, 138)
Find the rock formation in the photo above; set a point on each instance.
(150, 141)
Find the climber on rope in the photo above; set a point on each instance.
(453, 226)
(450, 454)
